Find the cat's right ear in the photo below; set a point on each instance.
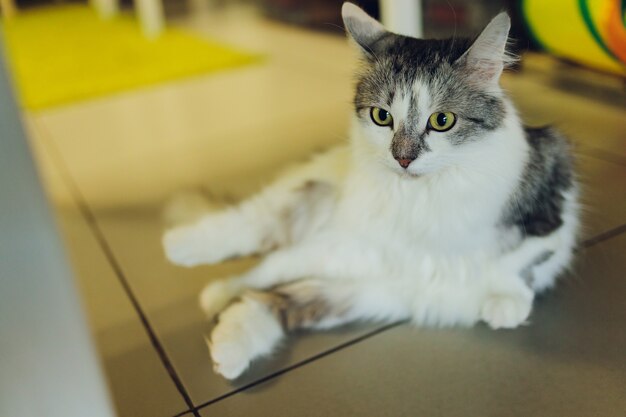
(487, 56)
(364, 29)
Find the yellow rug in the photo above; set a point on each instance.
(63, 54)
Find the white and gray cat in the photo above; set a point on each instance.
(443, 208)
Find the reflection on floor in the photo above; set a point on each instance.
(109, 164)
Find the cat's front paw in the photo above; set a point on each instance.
(245, 331)
(230, 356)
(183, 246)
(505, 311)
(196, 245)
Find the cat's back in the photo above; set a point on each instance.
(537, 205)
(550, 166)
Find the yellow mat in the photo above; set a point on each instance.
(63, 54)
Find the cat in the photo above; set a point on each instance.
(443, 209)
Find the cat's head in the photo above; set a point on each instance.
(420, 104)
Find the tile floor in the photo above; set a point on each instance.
(109, 164)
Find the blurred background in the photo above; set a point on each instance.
(125, 103)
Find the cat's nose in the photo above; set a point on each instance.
(404, 162)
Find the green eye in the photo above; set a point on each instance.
(381, 117)
(441, 121)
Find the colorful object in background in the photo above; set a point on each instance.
(62, 54)
(616, 29)
(592, 32)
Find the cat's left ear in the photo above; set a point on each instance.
(364, 29)
(487, 56)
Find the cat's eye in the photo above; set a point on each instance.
(381, 117)
(441, 121)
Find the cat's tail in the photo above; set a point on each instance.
(187, 206)
(257, 321)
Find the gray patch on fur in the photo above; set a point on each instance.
(527, 272)
(312, 196)
(536, 205)
(300, 304)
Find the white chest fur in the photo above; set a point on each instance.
(455, 212)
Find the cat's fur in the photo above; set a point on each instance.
(484, 217)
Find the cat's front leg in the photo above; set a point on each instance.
(255, 226)
(214, 238)
(295, 206)
(278, 216)
(507, 304)
(280, 266)
(320, 256)
(324, 255)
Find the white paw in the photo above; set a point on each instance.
(245, 331)
(230, 356)
(191, 246)
(215, 296)
(506, 311)
(182, 246)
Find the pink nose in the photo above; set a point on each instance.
(404, 162)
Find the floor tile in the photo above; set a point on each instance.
(568, 362)
(139, 383)
(588, 122)
(207, 130)
(603, 195)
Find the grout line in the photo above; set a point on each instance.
(83, 207)
(186, 412)
(609, 234)
(302, 363)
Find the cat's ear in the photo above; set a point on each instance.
(487, 56)
(364, 29)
